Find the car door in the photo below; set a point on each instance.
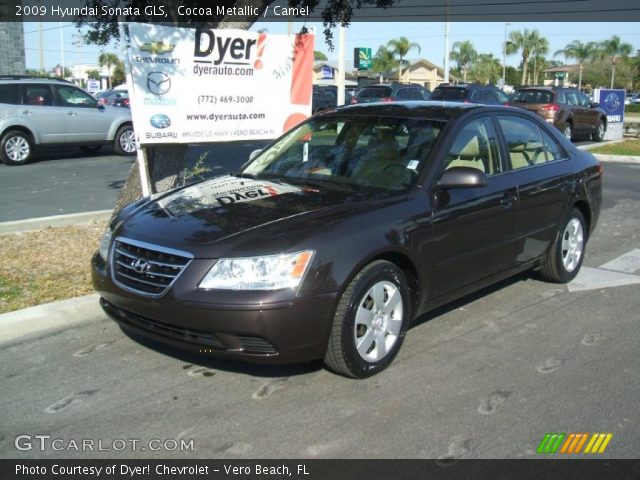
(540, 168)
(85, 122)
(473, 229)
(41, 113)
(588, 116)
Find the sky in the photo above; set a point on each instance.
(62, 41)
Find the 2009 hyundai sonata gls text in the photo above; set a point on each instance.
(343, 230)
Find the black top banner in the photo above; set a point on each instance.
(186, 12)
(321, 469)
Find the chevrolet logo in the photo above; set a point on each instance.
(158, 48)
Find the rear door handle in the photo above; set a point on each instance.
(72, 114)
(507, 200)
(27, 112)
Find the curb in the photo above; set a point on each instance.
(617, 158)
(84, 218)
(50, 317)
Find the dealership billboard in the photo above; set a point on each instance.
(612, 102)
(207, 85)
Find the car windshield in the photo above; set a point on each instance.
(375, 92)
(452, 94)
(533, 96)
(350, 151)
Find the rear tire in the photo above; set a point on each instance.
(16, 148)
(565, 257)
(370, 322)
(125, 141)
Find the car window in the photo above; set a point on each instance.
(583, 100)
(385, 153)
(501, 97)
(38, 95)
(533, 96)
(10, 93)
(74, 97)
(562, 98)
(552, 149)
(475, 146)
(449, 94)
(572, 99)
(375, 92)
(524, 141)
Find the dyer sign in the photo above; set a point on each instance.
(216, 85)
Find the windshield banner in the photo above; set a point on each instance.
(206, 85)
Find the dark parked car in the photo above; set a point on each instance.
(342, 231)
(570, 110)
(326, 97)
(391, 92)
(470, 93)
(114, 97)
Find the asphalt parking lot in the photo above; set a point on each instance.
(486, 377)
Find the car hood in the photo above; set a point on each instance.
(195, 217)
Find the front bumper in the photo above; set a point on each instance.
(284, 332)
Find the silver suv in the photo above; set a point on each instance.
(40, 111)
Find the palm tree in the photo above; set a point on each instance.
(464, 55)
(384, 62)
(108, 60)
(486, 68)
(539, 49)
(400, 47)
(578, 51)
(614, 48)
(527, 41)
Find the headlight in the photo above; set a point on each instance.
(105, 242)
(270, 272)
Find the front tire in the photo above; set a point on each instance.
(125, 141)
(370, 322)
(598, 134)
(565, 257)
(16, 148)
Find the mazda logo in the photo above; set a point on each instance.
(140, 265)
(158, 83)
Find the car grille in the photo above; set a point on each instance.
(256, 345)
(146, 269)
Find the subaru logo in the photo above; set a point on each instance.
(140, 265)
(160, 120)
(158, 83)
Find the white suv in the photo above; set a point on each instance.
(40, 111)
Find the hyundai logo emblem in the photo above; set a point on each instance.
(158, 83)
(160, 120)
(140, 265)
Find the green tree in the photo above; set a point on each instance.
(119, 75)
(539, 49)
(317, 55)
(486, 69)
(526, 42)
(400, 47)
(464, 55)
(93, 75)
(579, 51)
(614, 49)
(384, 61)
(108, 60)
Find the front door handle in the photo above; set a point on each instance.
(507, 200)
(72, 114)
(27, 112)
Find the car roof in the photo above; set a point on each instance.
(27, 79)
(434, 110)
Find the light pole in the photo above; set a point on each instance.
(504, 55)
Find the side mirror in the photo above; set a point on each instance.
(254, 154)
(595, 104)
(462, 177)
(99, 106)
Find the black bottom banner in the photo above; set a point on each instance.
(320, 469)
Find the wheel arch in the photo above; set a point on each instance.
(585, 210)
(21, 128)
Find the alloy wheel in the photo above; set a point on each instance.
(572, 245)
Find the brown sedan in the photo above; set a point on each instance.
(345, 229)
